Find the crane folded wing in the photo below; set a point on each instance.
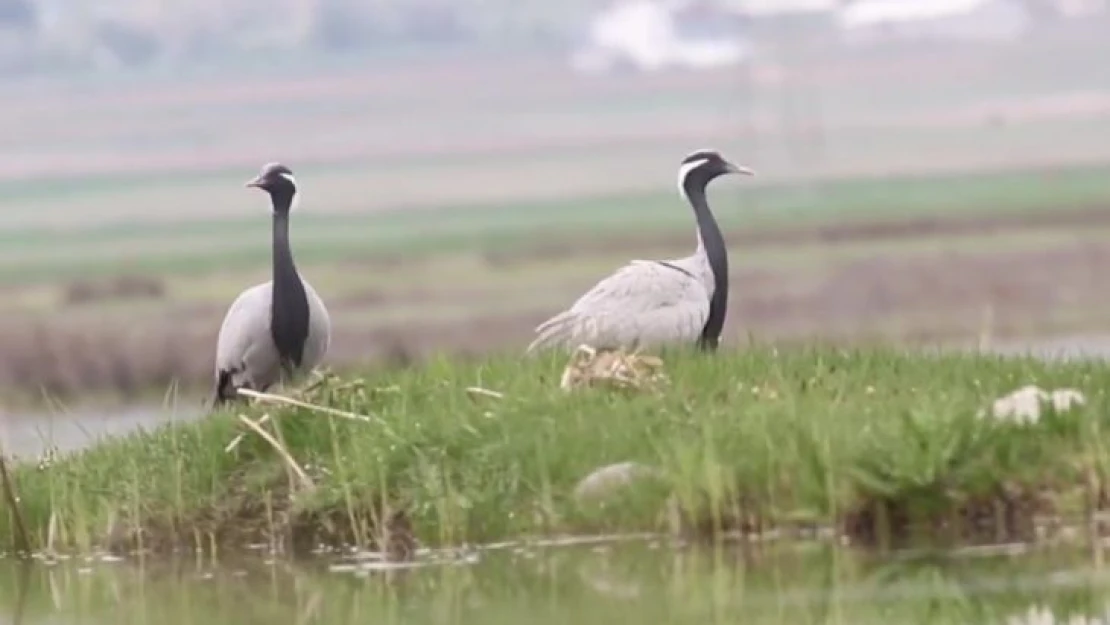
(642, 303)
(245, 354)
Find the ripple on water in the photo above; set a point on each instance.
(366, 562)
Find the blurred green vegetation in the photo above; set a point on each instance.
(35, 254)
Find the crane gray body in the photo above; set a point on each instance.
(246, 353)
(655, 302)
(644, 303)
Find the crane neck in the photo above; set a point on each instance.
(711, 246)
(289, 301)
(282, 254)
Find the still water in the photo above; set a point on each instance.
(28, 435)
(643, 583)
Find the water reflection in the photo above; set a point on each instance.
(641, 583)
(22, 577)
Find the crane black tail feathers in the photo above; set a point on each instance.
(225, 389)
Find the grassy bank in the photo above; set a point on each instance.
(883, 444)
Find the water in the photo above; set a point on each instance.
(643, 583)
(28, 435)
(1080, 346)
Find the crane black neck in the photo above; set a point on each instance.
(716, 253)
(288, 299)
(283, 265)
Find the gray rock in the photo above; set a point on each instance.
(608, 482)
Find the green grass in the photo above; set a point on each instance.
(787, 436)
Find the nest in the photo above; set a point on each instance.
(612, 368)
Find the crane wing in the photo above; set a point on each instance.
(245, 353)
(319, 329)
(643, 302)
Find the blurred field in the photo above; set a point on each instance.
(447, 206)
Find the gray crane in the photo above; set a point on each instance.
(653, 302)
(277, 330)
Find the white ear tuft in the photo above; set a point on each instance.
(295, 202)
(685, 170)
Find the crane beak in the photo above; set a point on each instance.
(737, 169)
(254, 182)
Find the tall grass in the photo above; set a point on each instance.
(881, 443)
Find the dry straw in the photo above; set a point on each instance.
(612, 368)
(290, 462)
(270, 398)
